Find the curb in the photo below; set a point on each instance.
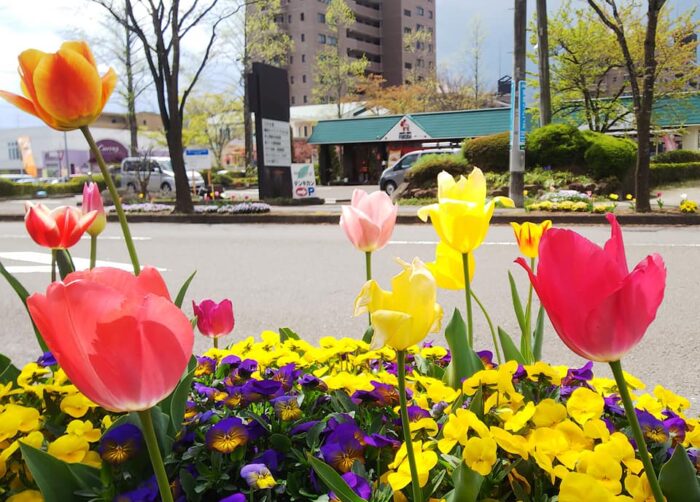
(404, 219)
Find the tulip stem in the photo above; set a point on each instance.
(149, 434)
(115, 198)
(216, 342)
(616, 367)
(527, 335)
(488, 320)
(406, 426)
(467, 291)
(54, 253)
(368, 275)
(93, 251)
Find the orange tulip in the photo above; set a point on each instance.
(63, 89)
(528, 236)
(59, 228)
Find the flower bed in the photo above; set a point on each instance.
(155, 208)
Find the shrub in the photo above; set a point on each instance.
(556, 145)
(677, 157)
(661, 173)
(609, 156)
(426, 169)
(490, 153)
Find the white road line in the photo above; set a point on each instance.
(44, 261)
(102, 237)
(627, 244)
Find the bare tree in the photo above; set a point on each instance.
(161, 27)
(543, 63)
(475, 52)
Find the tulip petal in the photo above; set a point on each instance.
(360, 230)
(82, 48)
(20, 102)
(28, 61)
(68, 88)
(392, 328)
(615, 246)
(42, 228)
(109, 82)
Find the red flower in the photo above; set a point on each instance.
(598, 307)
(118, 337)
(60, 228)
(214, 319)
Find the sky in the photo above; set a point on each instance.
(42, 24)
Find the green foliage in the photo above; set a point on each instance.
(677, 478)
(661, 173)
(559, 146)
(465, 362)
(489, 153)
(74, 186)
(610, 156)
(427, 168)
(677, 157)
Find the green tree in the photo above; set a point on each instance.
(337, 75)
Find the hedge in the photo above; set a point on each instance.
(677, 157)
(608, 156)
(661, 173)
(489, 153)
(556, 146)
(426, 169)
(74, 186)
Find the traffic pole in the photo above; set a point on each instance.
(517, 143)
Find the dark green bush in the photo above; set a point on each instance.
(489, 153)
(558, 146)
(677, 157)
(609, 156)
(425, 171)
(661, 173)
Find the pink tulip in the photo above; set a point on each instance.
(59, 228)
(369, 220)
(118, 337)
(92, 201)
(598, 307)
(214, 319)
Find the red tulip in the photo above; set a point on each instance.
(118, 337)
(214, 319)
(598, 307)
(59, 228)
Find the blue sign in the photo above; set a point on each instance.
(512, 112)
(522, 125)
(202, 151)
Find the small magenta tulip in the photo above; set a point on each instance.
(369, 220)
(214, 319)
(92, 201)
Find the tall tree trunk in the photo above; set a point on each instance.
(183, 190)
(247, 115)
(131, 98)
(543, 63)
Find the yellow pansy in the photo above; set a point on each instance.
(578, 441)
(633, 382)
(649, 403)
(619, 448)
(461, 217)
(456, 428)
(692, 436)
(27, 496)
(639, 488)
(577, 486)
(528, 236)
(426, 424)
(671, 400)
(69, 448)
(584, 404)
(30, 375)
(439, 392)
(76, 405)
(434, 352)
(512, 443)
(521, 418)
(487, 378)
(15, 418)
(605, 469)
(548, 413)
(84, 430)
(552, 443)
(540, 369)
(34, 439)
(425, 460)
(480, 454)
(595, 428)
(448, 267)
(405, 315)
(92, 458)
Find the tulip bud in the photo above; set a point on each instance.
(92, 201)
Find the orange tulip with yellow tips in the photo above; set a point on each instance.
(528, 236)
(64, 89)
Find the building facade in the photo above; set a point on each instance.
(385, 32)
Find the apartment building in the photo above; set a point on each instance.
(381, 33)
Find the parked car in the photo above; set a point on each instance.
(160, 174)
(393, 176)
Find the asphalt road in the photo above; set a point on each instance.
(306, 277)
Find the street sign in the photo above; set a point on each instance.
(522, 127)
(277, 147)
(198, 158)
(303, 181)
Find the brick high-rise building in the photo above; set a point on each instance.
(380, 33)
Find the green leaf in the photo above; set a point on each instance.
(369, 333)
(677, 478)
(287, 334)
(183, 290)
(8, 371)
(280, 442)
(174, 404)
(539, 335)
(510, 351)
(57, 480)
(64, 262)
(467, 484)
(332, 480)
(464, 362)
(23, 294)
(517, 306)
(477, 404)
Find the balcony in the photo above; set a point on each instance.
(362, 10)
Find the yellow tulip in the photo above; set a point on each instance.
(63, 89)
(528, 236)
(448, 267)
(404, 316)
(461, 217)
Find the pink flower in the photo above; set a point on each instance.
(118, 337)
(369, 220)
(59, 228)
(214, 319)
(92, 201)
(598, 307)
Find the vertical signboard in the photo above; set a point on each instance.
(303, 181)
(522, 117)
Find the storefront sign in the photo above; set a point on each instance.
(303, 181)
(406, 130)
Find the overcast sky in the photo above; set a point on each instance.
(40, 24)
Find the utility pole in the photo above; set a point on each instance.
(517, 102)
(543, 63)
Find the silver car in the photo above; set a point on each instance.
(159, 173)
(393, 176)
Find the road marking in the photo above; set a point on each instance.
(44, 261)
(627, 244)
(102, 237)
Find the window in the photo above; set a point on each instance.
(420, 63)
(13, 150)
(332, 40)
(407, 30)
(306, 131)
(291, 59)
(408, 66)
(305, 100)
(407, 13)
(430, 14)
(321, 17)
(303, 78)
(420, 11)
(321, 38)
(419, 27)
(289, 19)
(301, 16)
(303, 37)
(293, 100)
(303, 58)
(430, 47)
(291, 80)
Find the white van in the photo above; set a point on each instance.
(158, 170)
